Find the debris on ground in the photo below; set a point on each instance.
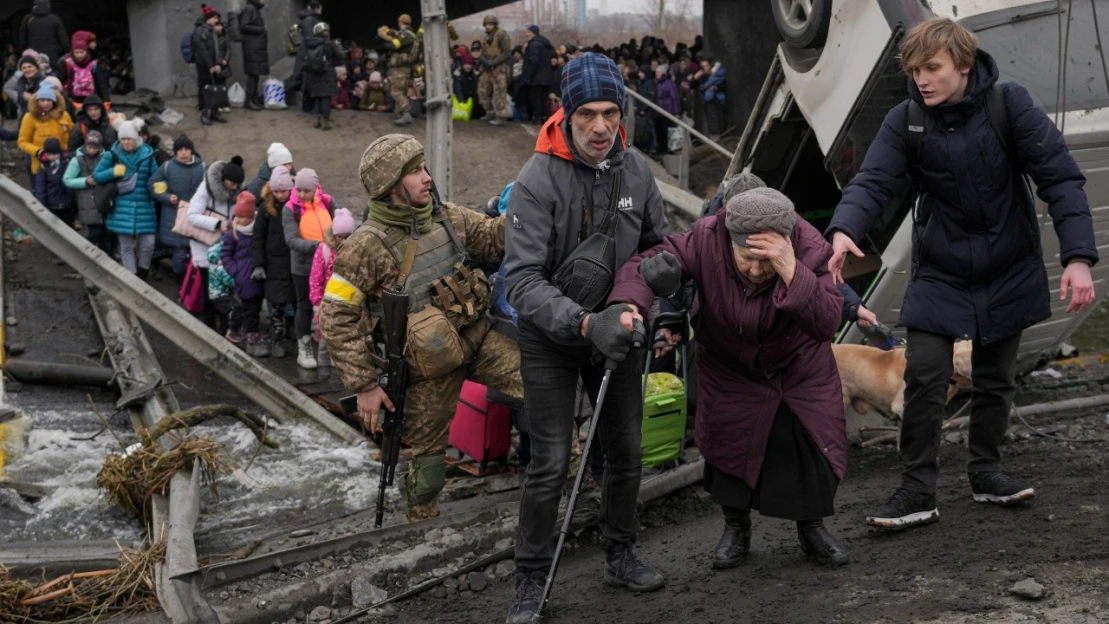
(128, 589)
(1028, 588)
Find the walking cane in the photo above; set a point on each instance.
(639, 338)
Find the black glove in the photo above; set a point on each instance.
(662, 273)
(607, 334)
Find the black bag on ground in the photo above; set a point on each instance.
(215, 97)
(587, 275)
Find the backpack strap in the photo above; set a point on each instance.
(998, 115)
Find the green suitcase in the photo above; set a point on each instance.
(664, 412)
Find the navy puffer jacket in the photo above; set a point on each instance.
(977, 266)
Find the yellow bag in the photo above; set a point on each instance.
(461, 111)
(434, 347)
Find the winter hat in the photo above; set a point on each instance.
(534, 29)
(80, 40)
(662, 69)
(307, 180)
(183, 142)
(278, 155)
(320, 27)
(93, 100)
(244, 205)
(341, 71)
(53, 81)
(233, 170)
(208, 11)
(52, 146)
(740, 183)
(759, 210)
(44, 59)
(280, 180)
(591, 78)
(343, 223)
(94, 138)
(127, 130)
(29, 59)
(46, 92)
(375, 76)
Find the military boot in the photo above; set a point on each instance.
(496, 121)
(732, 548)
(404, 119)
(624, 569)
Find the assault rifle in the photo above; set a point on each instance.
(395, 381)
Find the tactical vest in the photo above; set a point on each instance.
(489, 47)
(438, 278)
(406, 54)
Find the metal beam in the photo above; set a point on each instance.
(655, 107)
(438, 102)
(255, 381)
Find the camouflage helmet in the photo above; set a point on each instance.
(384, 160)
(405, 19)
(490, 19)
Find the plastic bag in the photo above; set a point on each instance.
(170, 117)
(674, 137)
(236, 94)
(461, 111)
(273, 94)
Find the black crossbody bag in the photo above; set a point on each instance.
(588, 274)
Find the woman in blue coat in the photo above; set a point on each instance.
(130, 163)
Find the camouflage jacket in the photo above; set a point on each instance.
(364, 267)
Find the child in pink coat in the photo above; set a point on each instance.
(323, 263)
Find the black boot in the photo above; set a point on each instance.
(277, 333)
(143, 274)
(624, 569)
(529, 591)
(732, 548)
(819, 545)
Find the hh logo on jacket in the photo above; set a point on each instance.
(625, 204)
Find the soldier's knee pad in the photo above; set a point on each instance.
(426, 476)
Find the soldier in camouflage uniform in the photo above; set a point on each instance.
(446, 297)
(405, 49)
(492, 85)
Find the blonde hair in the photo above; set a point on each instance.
(936, 35)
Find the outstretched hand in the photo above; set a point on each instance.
(841, 244)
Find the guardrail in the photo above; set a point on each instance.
(259, 384)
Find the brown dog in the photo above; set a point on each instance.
(875, 378)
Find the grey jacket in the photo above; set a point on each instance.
(545, 217)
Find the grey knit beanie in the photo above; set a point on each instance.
(739, 183)
(758, 210)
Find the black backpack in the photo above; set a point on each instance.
(998, 116)
(319, 59)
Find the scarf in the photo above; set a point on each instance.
(401, 216)
(246, 230)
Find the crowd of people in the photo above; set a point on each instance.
(576, 254)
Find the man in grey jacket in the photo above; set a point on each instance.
(580, 181)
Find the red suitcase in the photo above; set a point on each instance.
(481, 429)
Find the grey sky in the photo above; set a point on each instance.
(626, 6)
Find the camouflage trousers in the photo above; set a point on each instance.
(492, 91)
(429, 410)
(398, 85)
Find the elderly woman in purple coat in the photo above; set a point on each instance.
(770, 420)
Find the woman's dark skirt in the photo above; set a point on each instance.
(796, 482)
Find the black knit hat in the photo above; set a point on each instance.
(93, 100)
(52, 146)
(183, 142)
(33, 60)
(233, 170)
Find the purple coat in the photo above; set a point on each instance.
(237, 257)
(754, 352)
(668, 98)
